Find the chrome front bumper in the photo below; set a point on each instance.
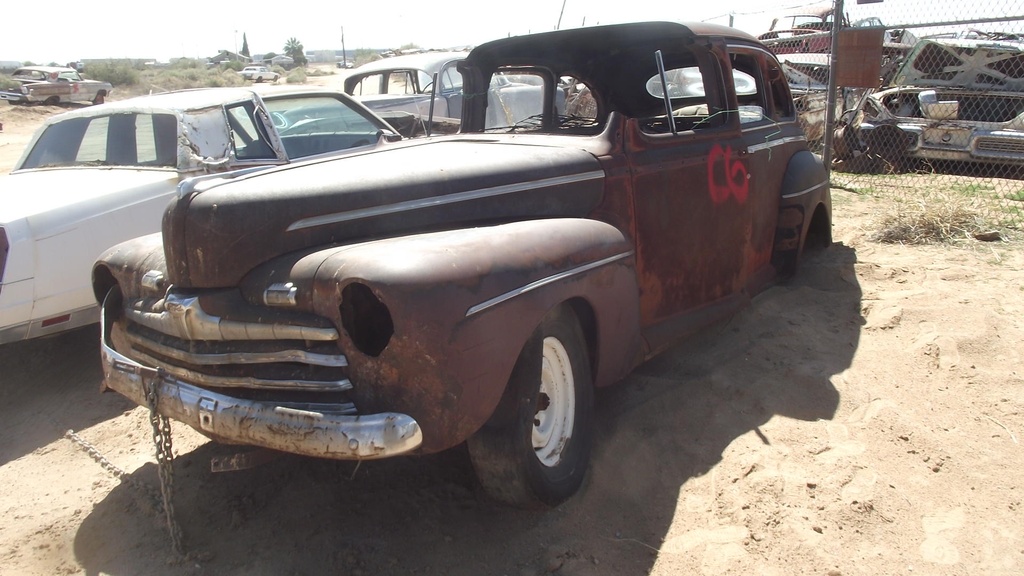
(260, 423)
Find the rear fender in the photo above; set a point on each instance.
(805, 192)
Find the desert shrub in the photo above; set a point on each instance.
(186, 63)
(234, 65)
(117, 72)
(279, 69)
(930, 217)
(8, 83)
(297, 76)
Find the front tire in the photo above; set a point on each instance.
(535, 450)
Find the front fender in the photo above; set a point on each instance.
(448, 312)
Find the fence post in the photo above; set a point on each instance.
(830, 98)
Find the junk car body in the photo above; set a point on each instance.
(476, 287)
(952, 100)
(406, 83)
(54, 85)
(807, 29)
(93, 177)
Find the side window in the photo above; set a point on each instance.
(401, 83)
(451, 79)
(248, 140)
(580, 103)
(515, 101)
(750, 88)
(781, 99)
(368, 86)
(688, 91)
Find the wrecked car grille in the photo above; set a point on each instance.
(237, 355)
(999, 146)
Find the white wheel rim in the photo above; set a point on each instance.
(556, 404)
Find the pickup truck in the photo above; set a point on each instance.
(476, 287)
(54, 85)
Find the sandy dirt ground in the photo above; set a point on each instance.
(863, 419)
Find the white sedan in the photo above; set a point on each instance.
(98, 176)
(259, 74)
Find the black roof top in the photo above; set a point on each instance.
(616, 60)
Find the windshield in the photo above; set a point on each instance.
(311, 125)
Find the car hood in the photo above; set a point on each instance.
(65, 194)
(213, 237)
(964, 63)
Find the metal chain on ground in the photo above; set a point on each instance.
(164, 457)
(99, 458)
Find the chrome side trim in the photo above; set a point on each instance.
(776, 142)
(302, 356)
(545, 281)
(804, 191)
(184, 318)
(421, 203)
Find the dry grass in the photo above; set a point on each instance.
(931, 217)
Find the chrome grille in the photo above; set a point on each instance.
(178, 335)
(1000, 146)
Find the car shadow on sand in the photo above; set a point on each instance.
(48, 386)
(663, 429)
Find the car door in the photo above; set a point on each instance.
(450, 88)
(765, 139)
(691, 193)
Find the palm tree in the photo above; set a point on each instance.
(294, 50)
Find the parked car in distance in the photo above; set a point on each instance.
(405, 84)
(99, 175)
(477, 287)
(259, 74)
(54, 85)
(951, 100)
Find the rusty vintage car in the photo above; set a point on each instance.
(476, 287)
(54, 85)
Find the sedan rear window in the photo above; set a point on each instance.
(127, 139)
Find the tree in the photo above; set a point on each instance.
(294, 50)
(245, 47)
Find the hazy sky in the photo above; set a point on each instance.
(66, 31)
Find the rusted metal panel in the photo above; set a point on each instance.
(859, 60)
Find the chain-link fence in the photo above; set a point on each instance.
(938, 125)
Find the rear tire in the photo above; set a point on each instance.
(535, 450)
